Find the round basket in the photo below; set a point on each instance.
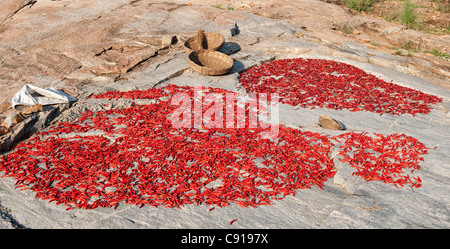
(210, 62)
(214, 41)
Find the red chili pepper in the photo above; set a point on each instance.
(142, 159)
(322, 83)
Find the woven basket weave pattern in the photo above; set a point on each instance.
(214, 41)
(210, 62)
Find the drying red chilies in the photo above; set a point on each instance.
(388, 158)
(312, 83)
(136, 156)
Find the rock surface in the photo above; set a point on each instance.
(88, 47)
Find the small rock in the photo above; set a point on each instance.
(392, 30)
(167, 41)
(33, 109)
(18, 118)
(29, 126)
(329, 123)
(3, 130)
(17, 133)
(356, 32)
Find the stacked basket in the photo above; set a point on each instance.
(204, 57)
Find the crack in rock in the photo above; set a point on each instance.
(9, 17)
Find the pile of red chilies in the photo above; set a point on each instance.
(140, 158)
(311, 83)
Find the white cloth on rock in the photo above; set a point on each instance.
(31, 95)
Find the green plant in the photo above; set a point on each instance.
(218, 6)
(360, 5)
(390, 16)
(405, 48)
(436, 53)
(406, 45)
(443, 7)
(408, 15)
(344, 28)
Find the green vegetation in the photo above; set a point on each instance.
(407, 47)
(218, 6)
(437, 1)
(344, 28)
(436, 53)
(391, 16)
(408, 15)
(443, 7)
(360, 5)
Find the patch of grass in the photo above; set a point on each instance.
(407, 45)
(406, 48)
(218, 6)
(443, 7)
(360, 5)
(390, 16)
(344, 28)
(408, 16)
(438, 31)
(437, 53)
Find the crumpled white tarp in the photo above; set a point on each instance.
(31, 95)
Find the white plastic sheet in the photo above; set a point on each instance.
(31, 95)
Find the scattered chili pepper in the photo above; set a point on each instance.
(324, 83)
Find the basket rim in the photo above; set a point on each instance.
(208, 70)
(217, 47)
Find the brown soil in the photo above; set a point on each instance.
(434, 15)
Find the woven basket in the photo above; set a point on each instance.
(214, 41)
(210, 62)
